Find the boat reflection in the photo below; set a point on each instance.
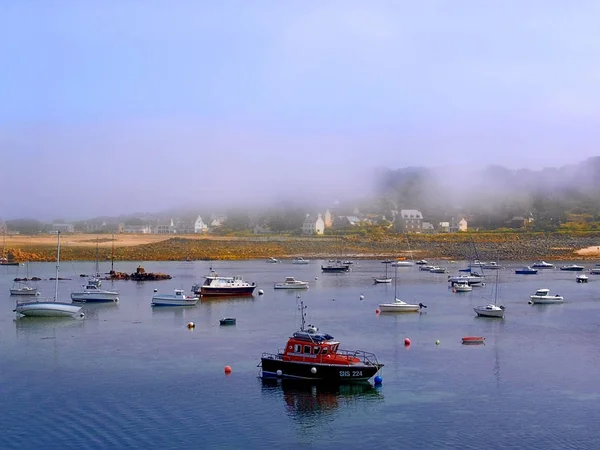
(93, 311)
(307, 400)
(35, 325)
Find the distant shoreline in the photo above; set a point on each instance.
(458, 246)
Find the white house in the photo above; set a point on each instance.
(313, 225)
(444, 227)
(167, 227)
(200, 226)
(462, 224)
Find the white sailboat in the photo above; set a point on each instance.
(23, 288)
(49, 307)
(491, 310)
(398, 305)
(385, 278)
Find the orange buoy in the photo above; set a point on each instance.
(227, 369)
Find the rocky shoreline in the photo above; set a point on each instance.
(483, 246)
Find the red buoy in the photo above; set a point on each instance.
(227, 369)
(376, 311)
(406, 341)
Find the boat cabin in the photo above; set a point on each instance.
(313, 347)
(179, 293)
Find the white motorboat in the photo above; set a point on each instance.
(492, 265)
(291, 283)
(437, 269)
(214, 285)
(583, 278)
(572, 268)
(48, 307)
(92, 293)
(477, 263)
(300, 260)
(595, 271)
(426, 267)
(542, 296)
(462, 287)
(398, 305)
(176, 299)
(272, 260)
(542, 265)
(422, 262)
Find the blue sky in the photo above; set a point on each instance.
(111, 107)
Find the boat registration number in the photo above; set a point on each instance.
(350, 373)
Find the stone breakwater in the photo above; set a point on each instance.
(489, 246)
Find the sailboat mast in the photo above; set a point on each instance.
(395, 282)
(57, 266)
(112, 256)
(97, 264)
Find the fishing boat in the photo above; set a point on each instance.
(214, 285)
(543, 297)
(398, 305)
(311, 355)
(272, 260)
(48, 307)
(227, 321)
(291, 283)
(492, 309)
(178, 298)
(572, 268)
(385, 278)
(93, 294)
(526, 270)
(473, 340)
(542, 265)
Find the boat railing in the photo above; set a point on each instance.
(268, 355)
(365, 357)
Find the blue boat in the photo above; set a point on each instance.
(527, 270)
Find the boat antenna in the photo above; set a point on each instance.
(301, 308)
(395, 282)
(57, 266)
(97, 274)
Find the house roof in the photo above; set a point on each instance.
(411, 214)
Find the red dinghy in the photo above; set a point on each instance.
(473, 340)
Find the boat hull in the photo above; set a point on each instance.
(483, 312)
(174, 301)
(290, 286)
(473, 340)
(325, 373)
(546, 301)
(382, 280)
(47, 309)
(207, 291)
(10, 264)
(95, 297)
(340, 269)
(390, 307)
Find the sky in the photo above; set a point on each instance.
(114, 107)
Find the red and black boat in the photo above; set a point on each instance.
(214, 285)
(314, 356)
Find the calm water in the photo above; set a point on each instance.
(128, 375)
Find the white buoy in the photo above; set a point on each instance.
(155, 290)
(261, 292)
(313, 370)
(279, 372)
(316, 278)
(362, 297)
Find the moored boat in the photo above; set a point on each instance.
(228, 321)
(462, 287)
(473, 340)
(335, 267)
(300, 260)
(310, 355)
(214, 285)
(526, 270)
(542, 265)
(472, 279)
(542, 296)
(178, 298)
(291, 283)
(582, 278)
(572, 268)
(272, 260)
(93, 294)
(490, 310)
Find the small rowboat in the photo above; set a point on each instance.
(227, 321)
(473, 340)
